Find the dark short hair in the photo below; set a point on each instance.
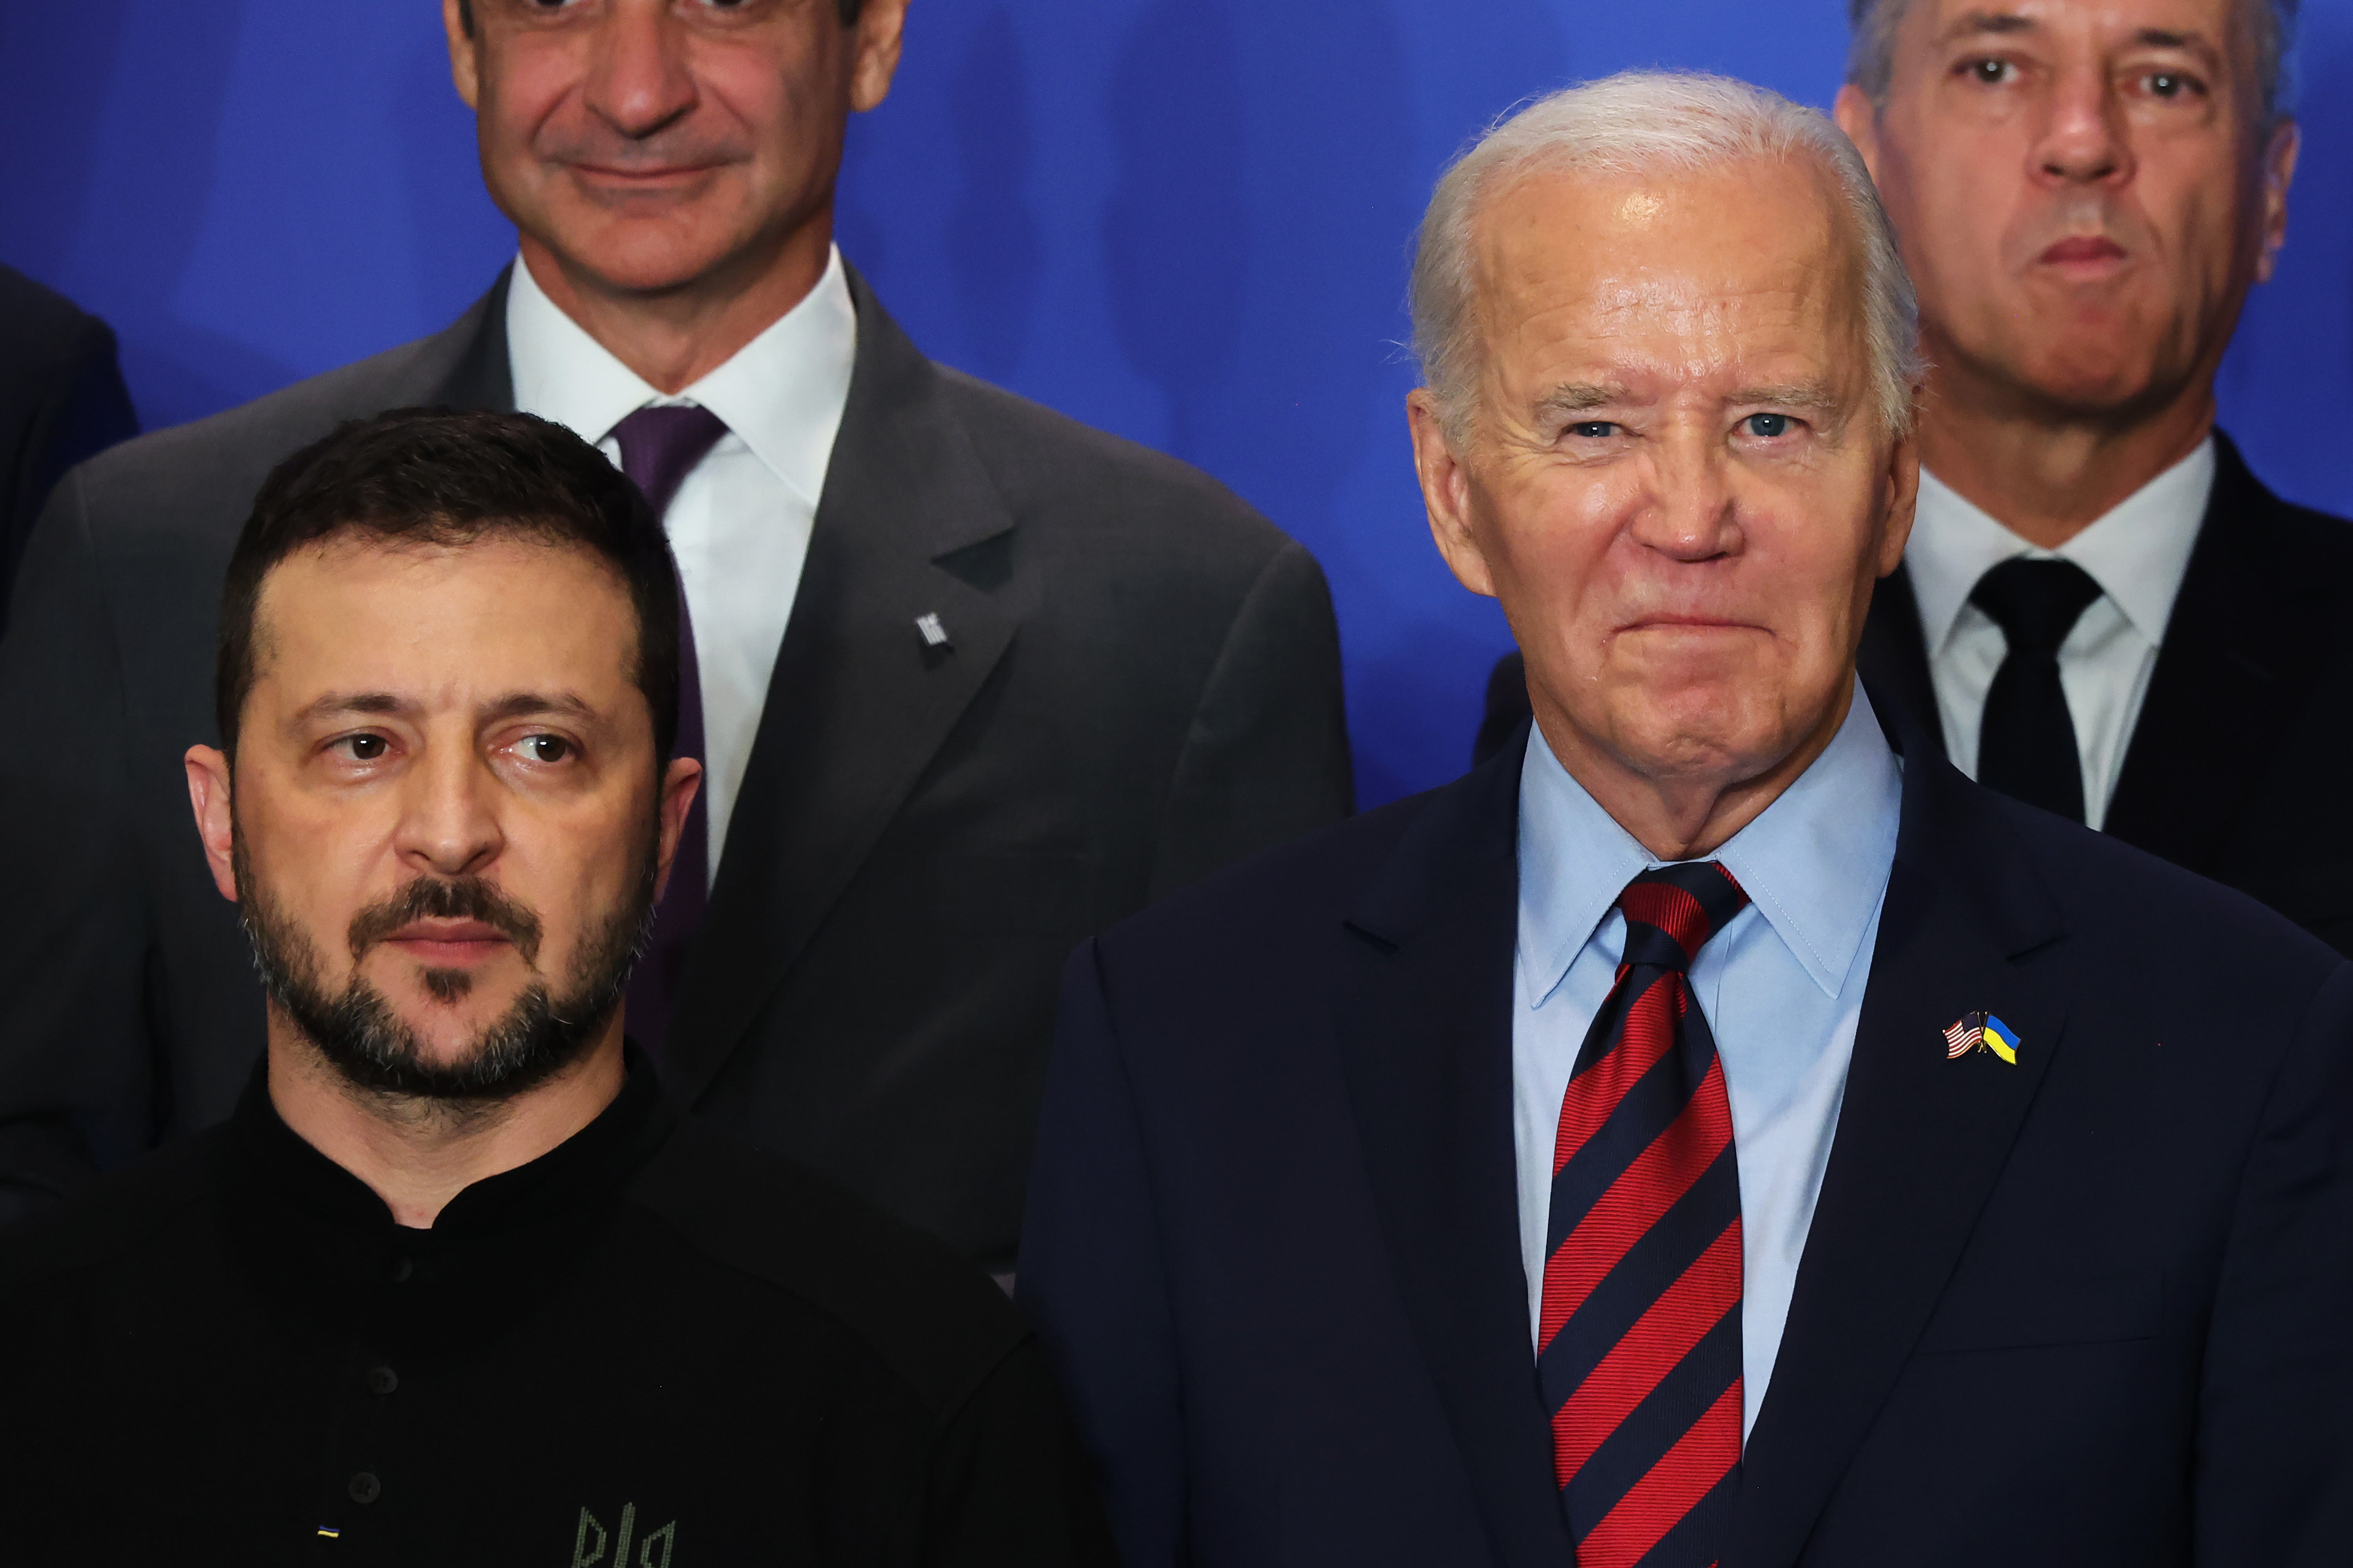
(847, 9)
(448, 478)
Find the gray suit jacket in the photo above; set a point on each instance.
(1143, 683)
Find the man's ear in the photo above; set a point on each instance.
(464, 62)
(1902, 480)
(882, 29)
(680, 781)
(1446, 494)
(208, 794)
(1860, 120)
(2279, 169)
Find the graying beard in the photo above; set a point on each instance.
(361, 1036)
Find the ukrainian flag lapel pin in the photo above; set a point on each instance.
(1981, 1032)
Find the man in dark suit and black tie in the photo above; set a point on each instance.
(1711, 1132)
(972, 680)
(2102, 611)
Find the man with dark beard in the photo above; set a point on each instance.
(453, 1284)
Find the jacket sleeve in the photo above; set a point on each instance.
(1011, 1484)
(1266, 758)
(1091, 1278)
(2273, 1474)
(75, 939)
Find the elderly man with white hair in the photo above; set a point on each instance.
(1712, 1130)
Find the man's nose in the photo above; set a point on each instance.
(449, 822)
(2084, 140)
(638, 81)
(1686, 511)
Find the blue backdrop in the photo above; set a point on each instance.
(1183, 220)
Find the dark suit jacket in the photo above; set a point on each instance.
(1143, 683)
(61, 400)
(2088, 1309)
(2238, 766)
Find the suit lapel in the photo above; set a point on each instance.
(1893, 658)
(482, 377)
(1921, 1142)
(1425, 1034)
(2238, 659)
(909, 525)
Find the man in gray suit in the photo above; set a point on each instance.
(972, 680)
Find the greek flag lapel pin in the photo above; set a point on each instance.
(1980, 1032)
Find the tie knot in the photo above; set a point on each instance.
(1670, 912)
(660, 444)
(2035, 603)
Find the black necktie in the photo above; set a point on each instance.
(660, 446)
(2026, 741)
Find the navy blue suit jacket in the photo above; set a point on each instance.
(2094, 1307)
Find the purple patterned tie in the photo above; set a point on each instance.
(660, 446)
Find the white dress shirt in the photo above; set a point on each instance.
(2137, 553)
(740, 523)
(1781, 986)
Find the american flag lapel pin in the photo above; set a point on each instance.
(1980, 1032)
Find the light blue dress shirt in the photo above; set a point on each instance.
(1781, 986)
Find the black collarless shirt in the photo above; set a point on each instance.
(644, 1350)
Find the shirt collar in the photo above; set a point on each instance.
(782, 393)
(1813, 863)
(2136, 552)
(286, 1170)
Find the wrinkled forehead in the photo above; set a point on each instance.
(1725, 263)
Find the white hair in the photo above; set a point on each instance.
(1645, 122)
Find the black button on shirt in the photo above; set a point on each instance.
(232, 1354)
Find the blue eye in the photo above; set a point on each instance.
(1768, 427)
(1593, 429)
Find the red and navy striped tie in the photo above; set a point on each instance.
(1639, 1341)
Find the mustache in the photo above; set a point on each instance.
(448, 899)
